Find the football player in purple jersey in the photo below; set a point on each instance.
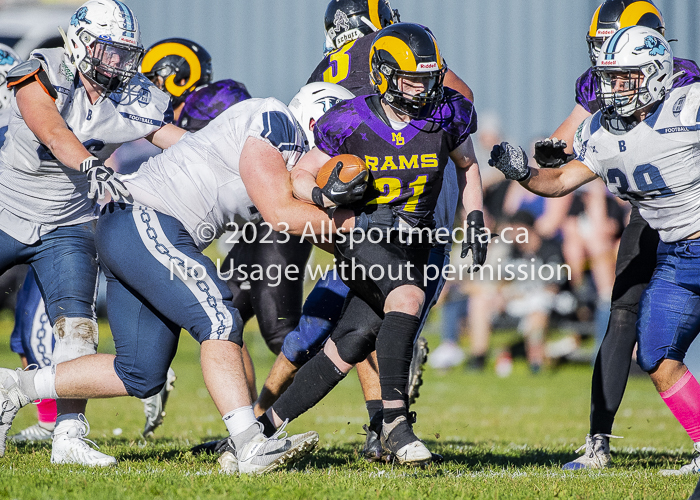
(405, 132)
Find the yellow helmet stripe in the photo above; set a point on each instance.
(399, 50)
(437, 53)
(594, 23)
(173, 49)
(373, 6)
(634, 12)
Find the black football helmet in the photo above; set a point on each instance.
(407, 50)
(174, 60)
(613, 15)
(348, 20)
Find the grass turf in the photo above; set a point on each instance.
(501, 438)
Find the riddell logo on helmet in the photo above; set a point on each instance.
(608, 63)
(427, 66)
(604, 32)
(130, 41)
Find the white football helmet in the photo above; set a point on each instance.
(634, 69)
(312, 101)
(104, 43)
(8, 60)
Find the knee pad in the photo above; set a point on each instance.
(302, 344)
(75, 337)
(354, 347)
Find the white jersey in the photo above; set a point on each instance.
(656, 165)
(4, 121)
(197, 180)
(37, 192)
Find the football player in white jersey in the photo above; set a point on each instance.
(8, 60)
(72, 107)
(642, 143)
(159, 281)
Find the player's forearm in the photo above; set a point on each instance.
(298, 218)
(303, 184)
(66, 147)
(472, 194)
(547, 182)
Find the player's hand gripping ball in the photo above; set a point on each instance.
(342, 179)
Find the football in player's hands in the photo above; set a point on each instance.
(549, 153)
(342, 179)
(350, 167)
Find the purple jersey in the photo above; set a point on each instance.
(587, 82)
(405, 165)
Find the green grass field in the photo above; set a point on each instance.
(501, 438)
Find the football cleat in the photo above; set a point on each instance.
(261, 454)
(402, 444)
(71, 447)
(33, 433)
(372, 450)
(213, 447)
(227, 460)
(692, 468)
(154, 407)
(415, 373)
(11, 400)
(596, 456)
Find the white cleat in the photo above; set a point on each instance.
(228, 463)
(71, 447)
(398, 439)
(33, 433)
(692, 468)
(596, 456)
(11, 400)
(261, 454)
(154, 407)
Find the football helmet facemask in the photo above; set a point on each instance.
(613, 15)
(175, 60)
(348, 20)
(634, 70)
(8, 60)
(312, 101)
(104, 43)
(409, 52)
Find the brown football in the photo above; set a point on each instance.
(352, 167)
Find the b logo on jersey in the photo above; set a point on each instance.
(656, 48)
(80, 17)
(397, 138)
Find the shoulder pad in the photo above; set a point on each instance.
(25, 69)
(31, 69)
(689, 113)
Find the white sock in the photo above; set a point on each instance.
(239, 420)
(45, 383)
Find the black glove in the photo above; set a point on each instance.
(102, 180)
(383, 218)
(475, 239)
(549, 153)
(339, 192)
(511, 161)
